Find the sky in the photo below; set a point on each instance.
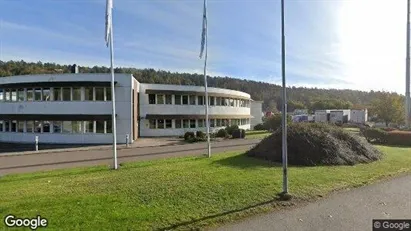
(355, 44)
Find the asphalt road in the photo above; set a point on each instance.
(55, 160)
(347, 210)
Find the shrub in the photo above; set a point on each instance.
(259, 127)
(236, 134)
(189, 135)
(231, 128)
(274, 122)
(374, 135)
(242, 133)
(200, 134)
(316, 144)
(388, 129)
(402, 138)
(222, 133)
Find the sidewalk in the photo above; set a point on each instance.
(346, 210)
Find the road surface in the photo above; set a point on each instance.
(55, 160)
(347, 210)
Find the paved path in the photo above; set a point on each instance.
(54, 160)
(347, 210)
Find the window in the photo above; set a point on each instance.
(226, 102)
(46, 94)
(212, 103)
(192, 123)
(152, 99)
(153, 124)
(88, 94)
(57, 126)
(109, 126)
(218, 122)
(67, 127)
(14, 95)
(218, 101)
(37, 94)
(200, 100)
(8, 94)
(14, 126)
(1, 94)
(160, 99)
(99, 93)
(185, 124)
(185, 99)
(108, 94)
(76, 94)
(20, 94)
(177, 123)
(169, 99)
(1, 125)
(177, 99)
(100, 126)
(6, 126)
(56, 94)
(29, 126)
(225, 123)
(200, 123)
(192, 100)
(160, 123)
(212, 123)
(46, 126)
(169, 124)
(37, 126)
(232, 102)
(88, 126)
(76, 127)
(66, 95)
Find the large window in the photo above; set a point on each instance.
(192, 123)
(201, 123)
(218, 122)
(67, 127)
(153, 124)
(200, 100)
(99, 93)
(109, 126)
(152, 99)
(6, 126)
(14, 126)
(177, 99)
(8, 94)
(169, 99)
(76, 94)
(160, 123)
(169, 124)
(46, 126)
(226, 102)
(218, 101)
(185, 99)
(88, 94)
(29, 126)
(192, 100)
(160, 99)
(177, 123)
(37, 126)
(88, 126)
(20, 94)
(77, 126)
(66, 94)
(232, 102)
(57, 126)
(14, 95)
(212, 103)
(108, 93)
(186, 124)
(100, 126)
(1, 125)
(212, 123)
(1, 94)
(46, 94)
(37, 94)
(56, 94)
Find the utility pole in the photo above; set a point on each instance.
(407, 71)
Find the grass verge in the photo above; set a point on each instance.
(177, 193)
(256, 134)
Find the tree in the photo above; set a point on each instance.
(274, 122)
(389, 108)
(272, 106)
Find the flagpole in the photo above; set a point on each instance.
(113, 96)
(407, 70)
(284, 107)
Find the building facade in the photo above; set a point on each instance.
(257, 114)
(77, 108)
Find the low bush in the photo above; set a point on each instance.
(200, 134)
(274, 122)
(259, 127)
(230, 129)
(242, 133)
(316, 144)
(402, 138)
(236, 134)
(388, 129)
(189, 135)
(222, 133)
(374, 135)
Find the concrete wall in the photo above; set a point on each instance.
(123, 108)
(256, 112)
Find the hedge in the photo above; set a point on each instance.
(394, 137)
(402, 138)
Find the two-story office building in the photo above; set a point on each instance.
(76, 108)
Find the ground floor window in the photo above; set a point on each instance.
(177, 123)
(186, 124)
(201, 123)
(99, 126)
(160, 124)
(192, 123)
(152, 124)
(169, 124)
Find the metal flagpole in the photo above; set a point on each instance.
(284, 108)
(109, 29)
(407, 71)
(204, 39)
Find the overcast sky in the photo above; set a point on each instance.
(357, 44)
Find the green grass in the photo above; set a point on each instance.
(177, 193)
(256, 134)
(353, 130)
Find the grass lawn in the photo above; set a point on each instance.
(177, 193)
(256, 134)
(353, 130)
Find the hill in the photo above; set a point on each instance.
(270, 94)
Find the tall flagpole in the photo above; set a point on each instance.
(204, 38)
(109, 29)
(284, 107)
(407, 71)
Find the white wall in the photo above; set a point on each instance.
(256, 112)
(123, 94)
